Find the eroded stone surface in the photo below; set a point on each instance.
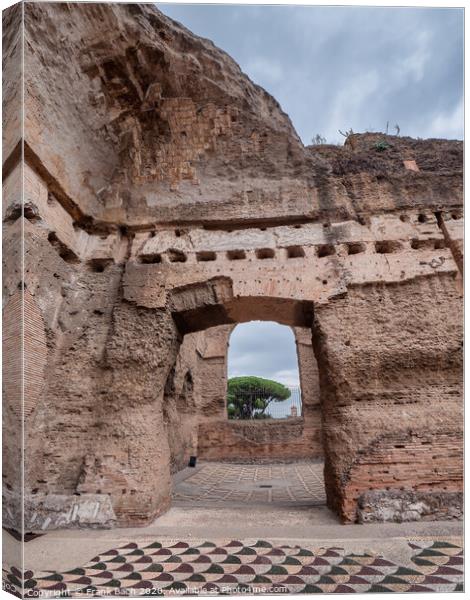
(395, 505)
(167, 198)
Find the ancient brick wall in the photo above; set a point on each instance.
(97, 297)
(180, 412)
(389, 425)
(294, 438)
(165, 194)
(12, 288)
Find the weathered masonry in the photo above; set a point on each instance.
(168, 198)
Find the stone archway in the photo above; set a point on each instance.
(141, 355)
(222, 439)
(346, 381)
(366, 375)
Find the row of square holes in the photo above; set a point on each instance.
(292, 251)
(385, 247)
(382, 247)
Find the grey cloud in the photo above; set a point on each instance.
(265, 349)
(338, 67)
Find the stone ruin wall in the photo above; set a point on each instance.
(165, 194)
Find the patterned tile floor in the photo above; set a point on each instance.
(238, 567)
(285, 484)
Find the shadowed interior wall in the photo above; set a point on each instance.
(195, 391)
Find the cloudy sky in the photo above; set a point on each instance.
(265, 349)
(337, 68)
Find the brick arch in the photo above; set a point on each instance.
(367, 366)
(211, 303)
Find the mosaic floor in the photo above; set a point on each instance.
(285, 484)
(236, 567)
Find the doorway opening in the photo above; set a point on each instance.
(263, 380)
(270, 454)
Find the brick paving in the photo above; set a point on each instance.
(254, 567)
(283, 484)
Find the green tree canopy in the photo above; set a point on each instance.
(248, 397)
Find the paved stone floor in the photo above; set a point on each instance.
(238, 567)
(226, 534)
(283, 484)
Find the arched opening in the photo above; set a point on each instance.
(182, 416)
(263, 372)
(273, 458)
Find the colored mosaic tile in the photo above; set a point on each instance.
(235, 567)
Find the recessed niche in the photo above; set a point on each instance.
(325, 250)
(98, 265)
(295, 252)
(263, 253)
(430, 244)
(151, 259)
(205, 256)
(356, 247)
(176, 256)
(236, 254)
(387, 247)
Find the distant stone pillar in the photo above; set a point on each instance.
(212, 372)
(310, 389)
